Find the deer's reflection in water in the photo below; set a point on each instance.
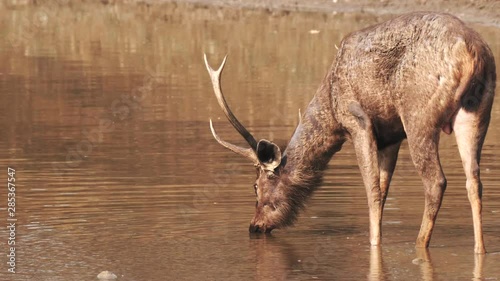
(276, 258)
(379, 271)
(478, 267)
(428, 272)
(424, 261)
(376, 271)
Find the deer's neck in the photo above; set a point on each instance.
(316, 139)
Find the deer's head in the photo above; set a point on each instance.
(275, 206)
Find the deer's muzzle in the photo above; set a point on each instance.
(255, 228)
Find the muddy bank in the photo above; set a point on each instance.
(479, 11)
(486, 12)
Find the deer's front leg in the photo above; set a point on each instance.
(366, 154)
(365, 146)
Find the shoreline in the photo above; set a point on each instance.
(484, 12)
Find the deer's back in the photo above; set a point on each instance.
(410, 65)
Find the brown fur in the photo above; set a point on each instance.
(409, 78)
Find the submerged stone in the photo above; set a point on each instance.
(106, 275)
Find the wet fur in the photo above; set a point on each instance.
(409, 77)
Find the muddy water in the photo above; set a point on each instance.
(104, 116)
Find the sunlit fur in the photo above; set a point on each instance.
(281, 196)
(298, 187)
(407, 78)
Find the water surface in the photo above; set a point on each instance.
(105, 118)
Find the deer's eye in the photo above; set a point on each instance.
(255, 188)
(270, 206)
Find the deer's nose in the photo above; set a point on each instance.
(254, 228)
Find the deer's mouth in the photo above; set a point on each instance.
(255, 228)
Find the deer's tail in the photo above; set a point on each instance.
(478, 79)
(481, 84)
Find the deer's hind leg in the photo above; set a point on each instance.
(387, 158)
(423, 144)
(470, 130)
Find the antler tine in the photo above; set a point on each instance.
(215, 77)
(247, 152)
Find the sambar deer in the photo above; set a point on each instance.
(409, 77)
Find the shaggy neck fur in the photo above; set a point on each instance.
(316, 139)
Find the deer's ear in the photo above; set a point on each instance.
(269, 155)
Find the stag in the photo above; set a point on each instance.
(406, 78)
